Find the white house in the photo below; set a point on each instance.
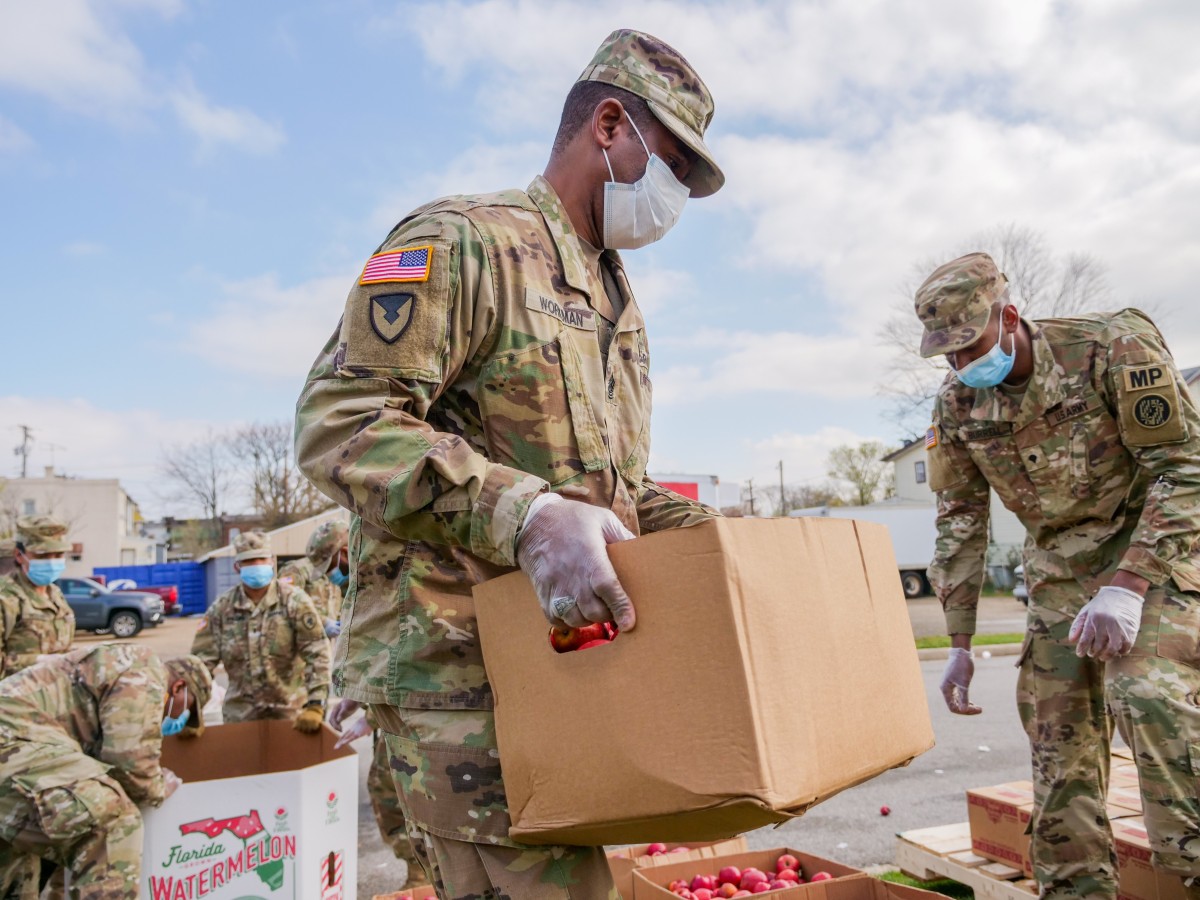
(104, 523)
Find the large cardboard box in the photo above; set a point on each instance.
(420, 892)
(864, 887)
(264, 811)
(623, 860)
(651, 883)
(772, 667)
(1136, 879)
(1000, 817)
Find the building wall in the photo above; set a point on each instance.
(100, 516)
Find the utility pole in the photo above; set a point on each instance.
(782, 495)
(750, 488)
(23, 450)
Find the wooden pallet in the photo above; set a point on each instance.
(945, 852)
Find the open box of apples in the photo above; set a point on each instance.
(777, 872)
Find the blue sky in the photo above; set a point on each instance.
(190, 189)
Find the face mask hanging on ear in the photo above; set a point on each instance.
(174, 725)
(641, 213)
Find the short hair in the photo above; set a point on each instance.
(581, 102)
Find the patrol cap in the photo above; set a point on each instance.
(252, 545)
(42, 534)
(955, 302)
(195, 674)
(658, 73)
(325, 542)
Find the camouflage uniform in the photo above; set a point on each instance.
(80, 741)
(1099, 457)
(7, 564)
(274, 649)
(33, 623)
(310, 572)
(385, 802)
(445, 403)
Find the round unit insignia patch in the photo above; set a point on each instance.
(1152, 411)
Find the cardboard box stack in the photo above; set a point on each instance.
(651, 883)
(1136, 879)
(772, 667)
(263, 809)
(421, 892)
(623, 860)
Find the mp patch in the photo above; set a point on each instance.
(1141, 378)
(1152, 411)
(391, 314)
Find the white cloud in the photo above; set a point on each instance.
(827, 366)
(805, 456)
(12, 138)
(83, 440)
(218, 126)
(85, 249)
(67, 52)
(264, 328)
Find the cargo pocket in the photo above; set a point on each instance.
(72, 811)
(452, 791)
(1178, 625)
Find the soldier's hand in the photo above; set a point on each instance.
(332, 628)
(171, 782)
(956, 682)
(310, 719)
(360, 728)
(1107, 625)
(562, 549)
(342, 710)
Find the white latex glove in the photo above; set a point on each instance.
(171, 782)
(360, 728)
(562, 550)
(956, 681)
(1107, 625)
(332, 628)
(342, 710)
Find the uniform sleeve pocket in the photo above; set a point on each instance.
(452, 791)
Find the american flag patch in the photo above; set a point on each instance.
(406, 264)
(931, 437)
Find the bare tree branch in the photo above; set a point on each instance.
(279, 492)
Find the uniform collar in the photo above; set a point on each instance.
(270, 598)
(566, 241)
(1047, 387)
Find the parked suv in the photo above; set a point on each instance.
(98, 609)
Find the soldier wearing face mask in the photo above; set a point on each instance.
(484, 404)
(34, 617)
(269, 638)
(1086, 431)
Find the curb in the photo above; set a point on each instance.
(994, 649)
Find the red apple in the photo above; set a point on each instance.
(779, 884)
(703, 894)
(787, 861)
(751, 877)
(821, 876)
(655, 849)
(760, 887)
(685, 894)
(703, 881)
(726, 890)
(729, 875)
(885, 810)
(789, 875)
(677, 885)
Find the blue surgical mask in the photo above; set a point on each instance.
(338, 577)
(175, 725)
(46, 571)
(991, 368)
(257, 576)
